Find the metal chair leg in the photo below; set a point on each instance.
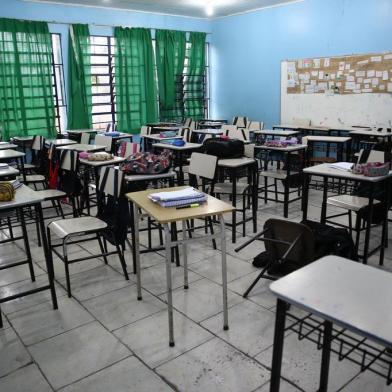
(122, 261)
(103, 250)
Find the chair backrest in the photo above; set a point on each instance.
(301, 122)
(236, 133)
(249, 150)
(37, 143)
(240, 122)
(371, 156)
(186, 134)
(145, 130)
(102, 140)
(255, 125)
(203, 165)
(85, 138)
(111, 181)
(69, 160)
(187, 122)
(302, 253)
(128, 148)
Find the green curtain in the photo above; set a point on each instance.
(26, 92)
(170, 56)
(136, 93)
(195, 78)
(79, 79)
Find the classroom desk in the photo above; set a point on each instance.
(341, 292)
(342, 143)
(7, 146)
(263, 134)
(208, 124)
(326, 171)
(9, 155)
(209, 131)
(76, 134)
(8, 173)
(312, 129)
(117, 139)
(235, 166)
(346, 129)
(167, 216)
(281, 174)
(59, 142)
(286, 127)
(369, 135)
(82, 147)
(149, 139)
(95, 166)
(26, 197)
(179, 153)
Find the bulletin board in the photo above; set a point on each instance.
(356, 74)
(345, 90)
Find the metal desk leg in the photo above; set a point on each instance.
(48, 254)
(137, 251)
(169, 283)
(185, 255)
(327, 339)
(131, 209)
(305, 197)
(224, 272)
(368, 224)
(277, 354)
(384, 235)
(324, 203)
(286, 188)
(234, 202)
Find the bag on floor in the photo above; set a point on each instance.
(331, 240)
(224, 148)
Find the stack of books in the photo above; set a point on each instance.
(181, 199)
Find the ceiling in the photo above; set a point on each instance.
(191, 8)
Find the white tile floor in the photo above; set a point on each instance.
(103, 339)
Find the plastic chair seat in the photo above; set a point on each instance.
(227, 188)
(349, 202)
(64, 227)
(277, 174)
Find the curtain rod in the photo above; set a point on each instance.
(107, 25)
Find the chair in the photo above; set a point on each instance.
(75, 230)
(255, 125)
(85, 138)
(187, 122)
(38, 163)
(202, 171)
(128, 148)
(289, 246)
(236, 133)
(240, 122)
(356, 203)
(144, 130)
(106, 141)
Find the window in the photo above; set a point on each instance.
(58, 83)
(102, 80)
(104, 86)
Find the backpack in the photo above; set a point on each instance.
(224, 148)
(147, 163)
(69, 180)
(114, 211)
(331, 240)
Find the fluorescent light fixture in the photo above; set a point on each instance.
(209, 9)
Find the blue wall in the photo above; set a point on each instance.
(247, 49)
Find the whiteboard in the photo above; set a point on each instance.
(335, 110)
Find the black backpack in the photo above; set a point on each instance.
(331, 240)
(224, 148)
